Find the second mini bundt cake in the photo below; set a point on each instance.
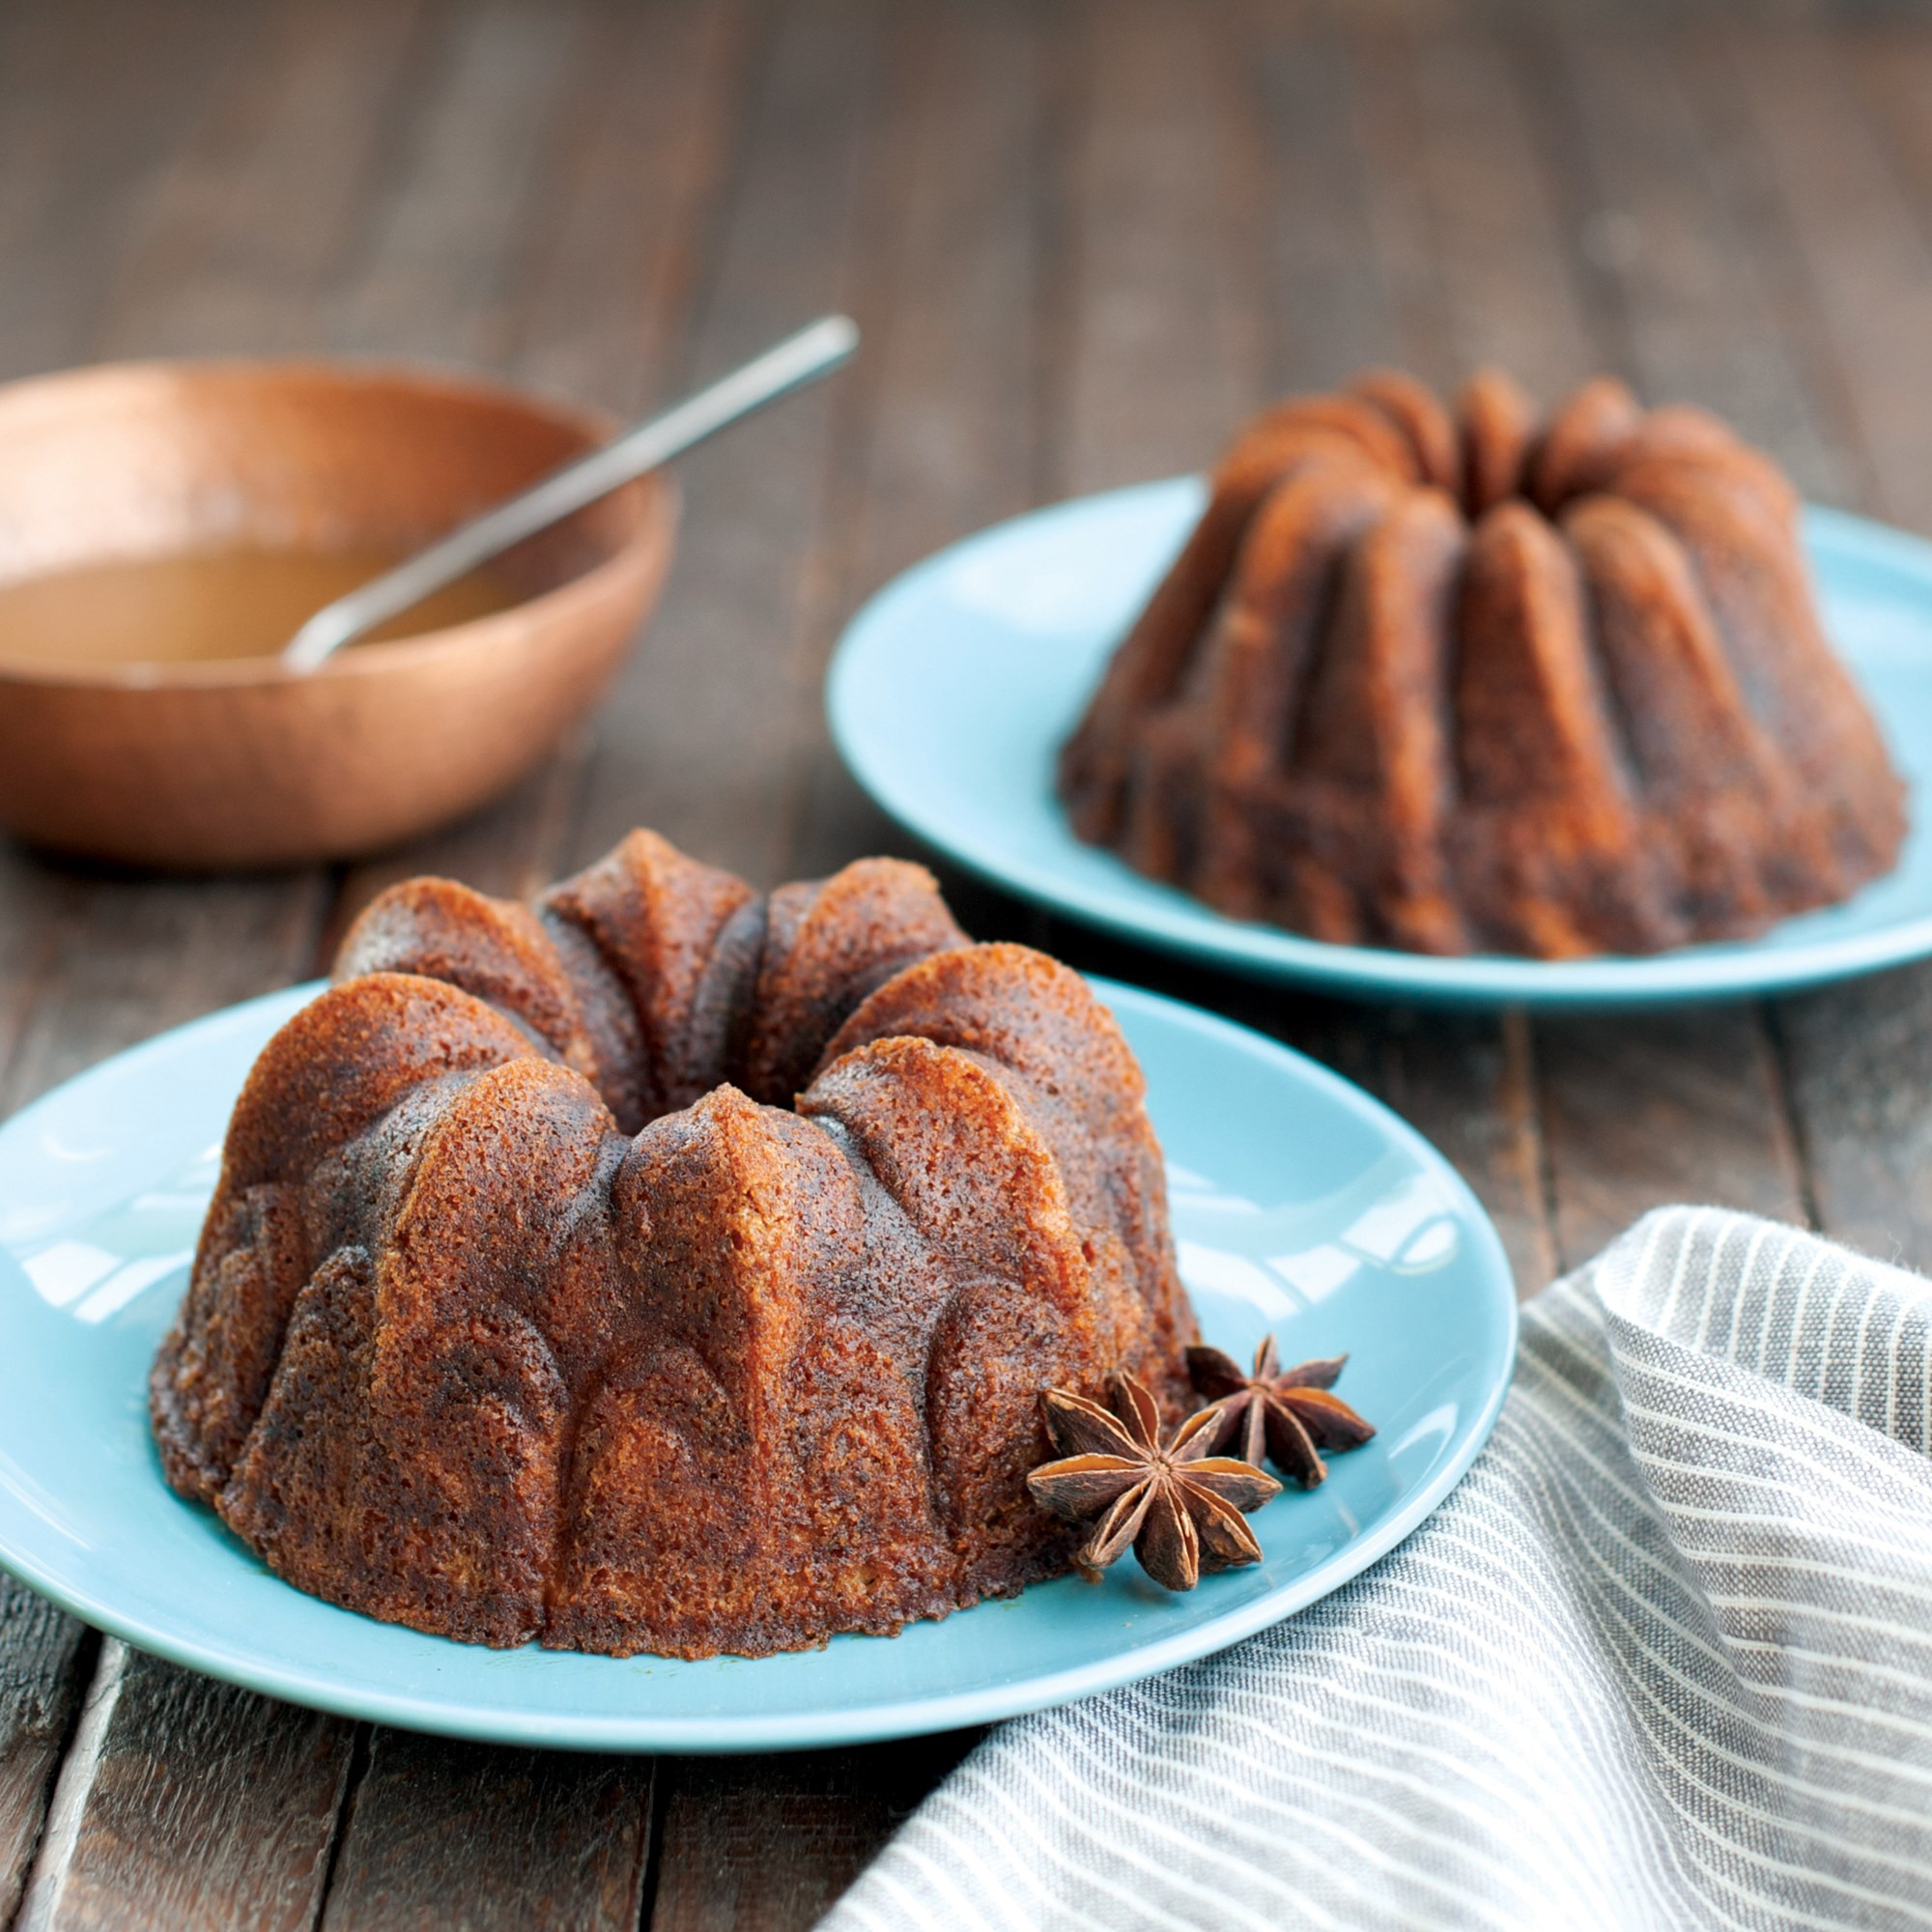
(666, 1266)
(1459, 681)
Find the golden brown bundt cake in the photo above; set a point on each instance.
(1455, 683)
(668, 1268)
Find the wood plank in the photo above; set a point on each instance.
(947, 391)
(1633, 1110)
(187, 1802)
(1466, 1081)
(1860, 1063)
(601, 308)
(44, 1658)
(753, 1843)
(1166, 333)
(464, 1834)
(1330, 311)
(699, 738)
(630, 200)
(440, 266)
(1465, 123)
(123, 957)
(109, 103)
(1639, 1112)
(1475, 1096)
(772, 1842)
(945, 404)
(1854, 218)
(33, 899)
(1664, 225)
(1641, 1109)
(133, 957)
(444, 1834)
(219, 268)
(1889, 68)
(1865, 258)
(39, 67)
(1459, 151)
(107, 960)
(139, 954)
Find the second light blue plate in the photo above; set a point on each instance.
(1300, 1204)
(953, 689)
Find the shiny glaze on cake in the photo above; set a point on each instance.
(1456, 681)
(665, 1266)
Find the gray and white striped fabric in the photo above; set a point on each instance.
(1665, 1658)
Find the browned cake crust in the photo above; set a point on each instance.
(538, 1301)
(1447, 681)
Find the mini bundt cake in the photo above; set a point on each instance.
(1456, 682)
(666, 1266)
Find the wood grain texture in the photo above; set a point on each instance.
(148, 1819)
(1840, 141)
(704, 736)
(635, 153)
(1510, 293)
(1461, 211)
(772, 1842)
(32, 900)
(949, 394)
(189, 1805)
(1330, 311)
(96, 118)
(1641, 1112)
(1859, 1063)
(1163, 343)
(1865, 258)
(133, 957)
(101, 103)
(44, 1657)
(305, 121)
(628, 194)
(454, 1838)
(1663, 227)
(439, 263)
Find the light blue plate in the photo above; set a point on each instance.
(955, 687)
(1300, 1204)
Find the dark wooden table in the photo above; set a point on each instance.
(1082, 240)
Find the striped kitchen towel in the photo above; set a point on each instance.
(1665, 1658)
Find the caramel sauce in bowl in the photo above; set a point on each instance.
(159, 523)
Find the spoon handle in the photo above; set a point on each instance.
(813, 352)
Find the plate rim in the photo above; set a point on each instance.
(730, 1734)
(1253, 949)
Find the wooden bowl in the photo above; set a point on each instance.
(238, 763)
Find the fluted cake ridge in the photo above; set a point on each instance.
(667, 1267)
(1456, 680)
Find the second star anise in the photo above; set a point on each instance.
(1180, 1506)
(1289, 1415)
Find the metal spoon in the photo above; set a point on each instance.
(801, 359)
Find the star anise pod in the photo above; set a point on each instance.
(1179, 1505)
(1287, 1414)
